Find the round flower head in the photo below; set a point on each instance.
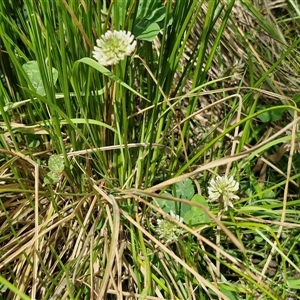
(113, 46)
(287, 145)
(223, 189)
(168, 230)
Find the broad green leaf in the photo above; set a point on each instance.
(200, 200)
(192, 217)
(3, 288)
(269, 195)
(150, 20)
(258, 239)
(32, 141)
(271, 115)
(166, 205)
(229, 294)
(56, 164)
(32, 70)
(197, 215)
(146, 33)
(184, 189)
(293, 283)
(146, 7)
(169, 205)
(184, 208)
(51, 178)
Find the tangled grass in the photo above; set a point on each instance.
(94, 159)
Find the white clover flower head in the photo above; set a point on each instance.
(238, 65)
(113, 46)
(168, 230)
(287, 145)
(223, 189)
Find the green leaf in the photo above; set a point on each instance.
(192, 217)
(146, 7)
(271, 115)
(146, 32)
(293, 283)
(229, 294)
(297, 98)
(197, 215)
(3, 288)
(184, 208)
(150, 20)
(166, 205)
(258, 239)
(269, 195)
(32, 141)
(184, 189)
(170, 205)
(31, 68)
(51, 178)
(56, 164)
(199, 200)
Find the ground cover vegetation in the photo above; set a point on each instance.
(149, 149)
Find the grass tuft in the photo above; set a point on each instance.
(106, 172)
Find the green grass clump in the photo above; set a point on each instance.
(107, 172)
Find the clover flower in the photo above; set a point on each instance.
(168, 230)
(235, 71)
(113, 46)
(223, 189)
(287, 145)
